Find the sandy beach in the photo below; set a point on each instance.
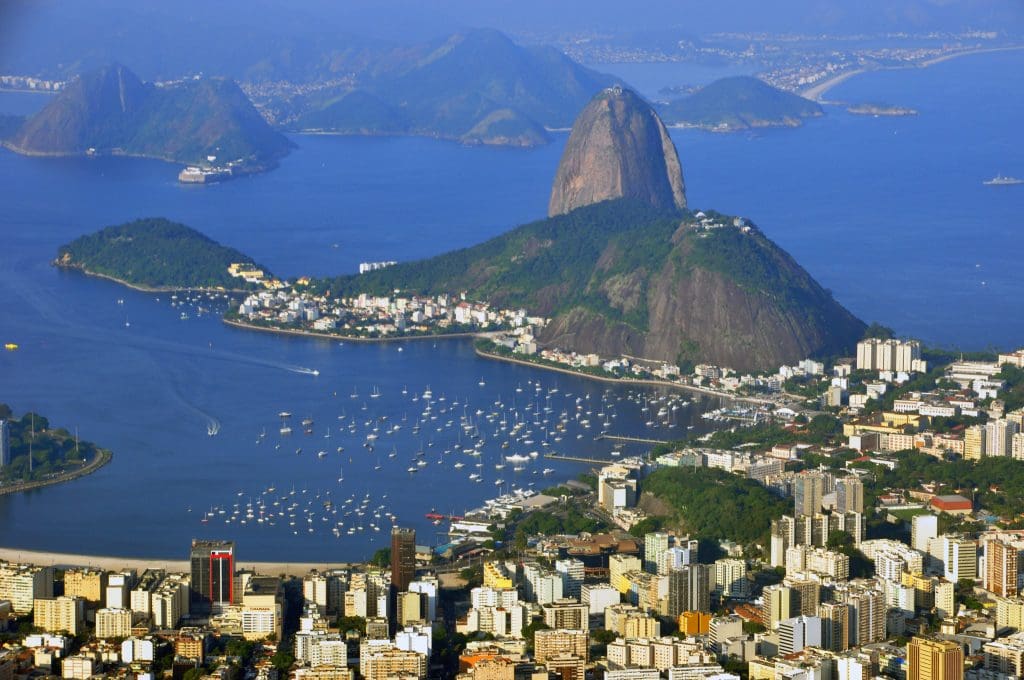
(140, 563)
(818, 90)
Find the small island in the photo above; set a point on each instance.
(880, 110)
(739, 103)
(40, 455)
(156, 254)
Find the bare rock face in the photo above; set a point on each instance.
(618, 148)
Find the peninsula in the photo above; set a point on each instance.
(205, 122)
(36, 454)
(156, 254)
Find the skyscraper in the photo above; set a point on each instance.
(213, 575)
(849, 495)
(934, 660)
(655, 543)
(403, 558)
(689, 589)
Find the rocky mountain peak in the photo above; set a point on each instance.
(618, 148)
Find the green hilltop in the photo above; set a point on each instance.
(155, 253)
(622, 277)
(739, 103)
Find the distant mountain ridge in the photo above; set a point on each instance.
(740, 103)
(476, 87)
(111, 111)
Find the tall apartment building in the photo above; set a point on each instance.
(113, 623)
(850, 495)
(555, 642)
(934, 660)
(403, 557)
(689, 589)
(572, 572)
(875, 354)
(23, 583)
(867, 615)
(923, 528)
(999, 437)
(731, 578)
(808, 489)
(59, 614)
(835, 626)
(568, 614)
(213, 575)
(89, 584)
(389, 662)
(655, 543)
(974, 442)
(1001, 567)
(777, 604)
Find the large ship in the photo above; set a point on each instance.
(197, 175)
(1000, 180)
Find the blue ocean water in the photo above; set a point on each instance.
(889, 213)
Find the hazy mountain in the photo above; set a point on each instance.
(112, 111)
(738, 103)
(476, 87)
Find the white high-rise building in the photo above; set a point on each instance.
(923, 528)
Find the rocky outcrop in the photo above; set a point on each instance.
(618, 148)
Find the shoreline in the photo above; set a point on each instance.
(143, 288)
(818, 90)
(621, 381)
(115, 563)
(346, 338)
(92, 466)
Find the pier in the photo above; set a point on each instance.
(579, 459)
(623, 438)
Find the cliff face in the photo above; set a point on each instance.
(698, 311)
(618, 148)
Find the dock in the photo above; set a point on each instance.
(622, 438)
(579, 459)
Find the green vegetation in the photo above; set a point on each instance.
(53, 450)
(714, 504)
(546, 266)
(740, 102)
(155, 253)
(997, 484)
(381, 558)
(1013, 396)
(112, 111)
(477, 87)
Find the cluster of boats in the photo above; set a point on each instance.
(481, 439)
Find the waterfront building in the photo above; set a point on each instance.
(213, 575)
(89, 584)
(403, 557)
(23, 583)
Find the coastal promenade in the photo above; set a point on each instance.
(112, 563)
(624, 381)
(352, 338)
(101, 459)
